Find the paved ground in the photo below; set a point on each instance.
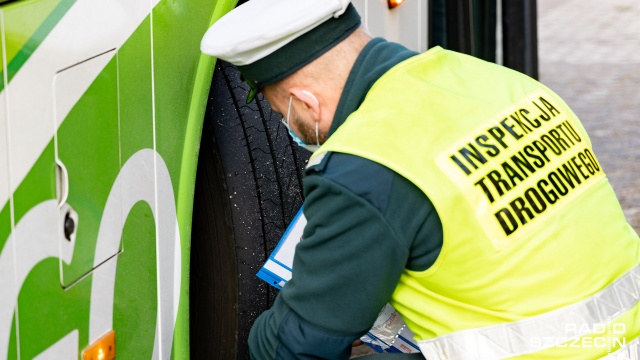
(589, 52)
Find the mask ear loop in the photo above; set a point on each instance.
(289, 110)
(289, 128)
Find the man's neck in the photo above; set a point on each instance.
(375, 59)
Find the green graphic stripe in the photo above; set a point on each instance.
(22, 55)
(22, 19)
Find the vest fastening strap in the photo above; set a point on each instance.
(532, 334)
(629, 352)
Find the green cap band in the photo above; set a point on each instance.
(299, 52)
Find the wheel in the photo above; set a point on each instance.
(248, 189)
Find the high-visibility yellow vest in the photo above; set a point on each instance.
(534, 236)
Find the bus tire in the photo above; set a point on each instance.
(248, 189)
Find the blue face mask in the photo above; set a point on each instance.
(295, 137)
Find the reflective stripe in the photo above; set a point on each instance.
(629, 352)
(530, 335)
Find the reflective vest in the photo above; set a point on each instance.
(537, 257)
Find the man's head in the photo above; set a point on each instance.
(297, 52)
(315, 89)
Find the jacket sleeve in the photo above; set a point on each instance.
(362, 221)
(280, 333)
(346, 268)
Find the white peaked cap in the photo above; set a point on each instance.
(258, 28)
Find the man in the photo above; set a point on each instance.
(465, 194)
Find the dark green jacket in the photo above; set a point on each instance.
(366, 224)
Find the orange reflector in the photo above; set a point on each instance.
(394, 3)
(103, 349)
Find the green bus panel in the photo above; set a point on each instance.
(151, 95)
(180, 101)
(28, 25)
(89, 149)
(7, 294)
(43, 281)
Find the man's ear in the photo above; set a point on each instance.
(308, 99)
